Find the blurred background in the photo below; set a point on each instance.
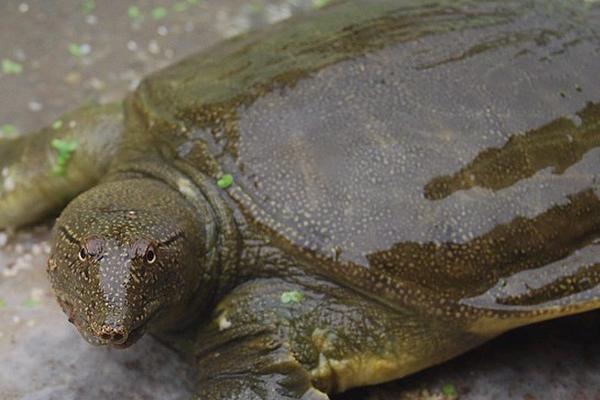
(58, 54)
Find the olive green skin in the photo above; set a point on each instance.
(422, 174)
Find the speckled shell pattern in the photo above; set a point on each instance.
(432, 154)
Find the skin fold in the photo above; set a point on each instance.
(339, 200)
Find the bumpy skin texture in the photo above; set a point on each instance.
(409, 180)
(111, 266)
(29, 187)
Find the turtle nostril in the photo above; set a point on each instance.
(115, 335)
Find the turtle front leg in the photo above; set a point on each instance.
(302, 337)
(41, 172)
(247, 352)
(259, 366)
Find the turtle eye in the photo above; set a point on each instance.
(150, 256)
(83, 254)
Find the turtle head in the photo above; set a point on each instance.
(125, 258)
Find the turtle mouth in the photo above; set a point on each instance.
(134, 335)
(79, 321)
(84, 327)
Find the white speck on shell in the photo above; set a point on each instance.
(224, 323)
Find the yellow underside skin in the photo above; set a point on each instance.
(356, 371)
(490, 326)
(338, 375)
(364, 369)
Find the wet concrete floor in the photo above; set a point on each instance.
(57, 54)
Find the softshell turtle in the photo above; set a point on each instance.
(338, 200)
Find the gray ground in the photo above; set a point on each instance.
(56, 54)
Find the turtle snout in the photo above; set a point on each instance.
(113, 335)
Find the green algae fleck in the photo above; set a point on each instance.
(8, 131)
(134, 12)
(159, 13)
(88, 6)
(65, 149)
(320, 3)
(225, 181)
(292, 297)
(31, 303)
(449, 390)
(57, 124)
(79, 50)
(10, 67)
